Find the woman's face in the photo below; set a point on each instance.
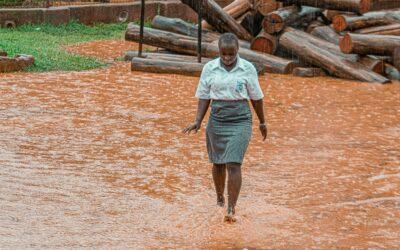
(228, 54)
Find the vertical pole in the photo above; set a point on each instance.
(199, 31)
(141, 28)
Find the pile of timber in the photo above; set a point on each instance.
(351, 39)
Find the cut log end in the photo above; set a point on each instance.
(375, 65)
(263, 45)
(339, 23)
(365, 6)
(345, 44)
(273, 23)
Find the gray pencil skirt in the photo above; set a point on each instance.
(228, 131)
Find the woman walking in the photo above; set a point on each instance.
(228, 82)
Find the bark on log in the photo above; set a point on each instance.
(369, 44)
(376, 65)
(186, 45)
(242, 44)
(375, 5)
(129, 55)
(343, 22)
(396, 58)
(358, 6)
(264, 43)
(391, 29)
(218, 18)
(294, 40)
(330, 14)
(266, 6)
(391, 72)
(277, 20)
(308, 72)
(326, 33)
(234, 9)
(166, 66)
(314, 24)
(343, 5)
(179, 26)
(251, 21)
(166, 24)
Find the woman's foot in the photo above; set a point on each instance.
(230, 215)
(221, 201)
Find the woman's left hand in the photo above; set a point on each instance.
(263, 130)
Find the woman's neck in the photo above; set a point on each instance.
(229, 67)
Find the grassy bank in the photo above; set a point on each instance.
(45, 43)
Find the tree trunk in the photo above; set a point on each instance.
(266, 6)
(166, 66)
(391, 72)
(343, 22)
(358, 6)
(343, 5)
(277, 20)
(308, 72)
(369, 44)
(251, 21)
(265, 43)
(314, 24)
(396, 58)
(330, 14)
(391, 29)
(218, 18)
(186, 45)
(129, 55)
(297, 42)
(326, 33)
(234, 9)
(179, 26)
(374, 5)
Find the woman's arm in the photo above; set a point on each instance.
(202, 107)
(259, 109)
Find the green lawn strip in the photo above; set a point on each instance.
(45, 43)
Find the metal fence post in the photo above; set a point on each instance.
(141, 27)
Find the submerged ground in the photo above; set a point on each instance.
(97, 159)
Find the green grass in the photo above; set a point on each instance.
(44, 42)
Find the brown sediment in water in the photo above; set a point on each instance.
(97, 159)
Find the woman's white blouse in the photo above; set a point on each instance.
(218, 84)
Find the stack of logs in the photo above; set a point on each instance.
(351, 39)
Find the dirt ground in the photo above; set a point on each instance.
(97, 159)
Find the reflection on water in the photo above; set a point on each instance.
(97, 159)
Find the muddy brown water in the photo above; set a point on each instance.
(97, 159)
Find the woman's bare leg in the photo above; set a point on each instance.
(234, 185)
(219, 175)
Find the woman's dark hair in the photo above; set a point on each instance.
(228, 39)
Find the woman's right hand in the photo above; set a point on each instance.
(195, 126)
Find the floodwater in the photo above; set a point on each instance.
(97, 159)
